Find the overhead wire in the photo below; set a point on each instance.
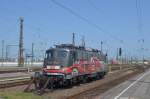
(139, 16)
(86, 20)
(140, 27)
(94, 6)
(98, 10)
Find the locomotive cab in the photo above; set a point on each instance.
(57, 57)
(58, 62)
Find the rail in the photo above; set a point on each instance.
(10, 82)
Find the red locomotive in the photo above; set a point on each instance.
(67, 64)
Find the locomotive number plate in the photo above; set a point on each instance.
(48, 67)
(53, 67)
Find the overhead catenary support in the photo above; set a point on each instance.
(21, 49)
(102, 46)
(83, 41)
(32, 53)
(2, 52)
(73, 39)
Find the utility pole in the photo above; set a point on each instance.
(143, 50)
(83, 41)
(73, 43)
(2, 52)
(7, 52)
(21, 49)
(32, 53)
(73, 39)
(117, 55)
(101, 46)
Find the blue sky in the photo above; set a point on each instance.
(46, 24)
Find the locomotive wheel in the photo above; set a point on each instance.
(84, 79)
(102, 75)
(68, 83)
(98, 76)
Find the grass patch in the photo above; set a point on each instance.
(19, 95)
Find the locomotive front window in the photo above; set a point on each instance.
(61, 54)
(56, 54)
(49, 54)
(57, 57)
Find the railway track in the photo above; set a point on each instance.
(104, 85)
(26, 69)
(6, 82)
(85, 91)
(17, 69)
(11, 82)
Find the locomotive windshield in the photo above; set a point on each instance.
(56, 57)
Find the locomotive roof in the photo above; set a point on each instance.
(71, 46)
